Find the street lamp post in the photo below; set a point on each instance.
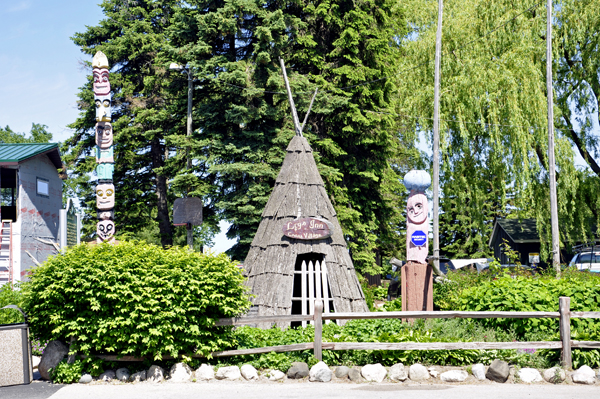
(177, 67)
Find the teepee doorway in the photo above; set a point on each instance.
(311, 281)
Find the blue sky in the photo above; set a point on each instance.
(41, 68)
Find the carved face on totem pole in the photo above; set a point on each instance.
(105, 196)
(103, 108)
(101, 84)
(105, 229)
(416, 208)
(417, 228)
(104, 135)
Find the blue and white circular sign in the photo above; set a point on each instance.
(418, 238)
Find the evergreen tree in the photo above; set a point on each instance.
(233, 48)
(146, 120)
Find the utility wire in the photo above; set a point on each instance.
(401, 71)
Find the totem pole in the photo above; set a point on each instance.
(417, 275)
(105, 190)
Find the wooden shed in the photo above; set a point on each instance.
(285, 274)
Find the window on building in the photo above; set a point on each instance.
(8, 194)
(43, 187)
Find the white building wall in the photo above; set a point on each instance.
(38, 215)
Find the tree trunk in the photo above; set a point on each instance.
(164, 223)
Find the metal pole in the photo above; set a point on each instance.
(551, 166)
(436, 141)
(189, 227)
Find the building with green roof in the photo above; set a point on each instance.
(30, 203)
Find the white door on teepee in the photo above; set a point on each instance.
(311, 282)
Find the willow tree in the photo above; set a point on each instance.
(577, 80)
(493, 113)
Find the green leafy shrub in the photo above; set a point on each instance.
(387, 330)
(447, 294)
(137, 299)
(540, 293)
(65, 373)
(11, 295)
(393, 305)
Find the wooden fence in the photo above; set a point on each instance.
(564, 315)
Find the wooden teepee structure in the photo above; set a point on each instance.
(285, 274)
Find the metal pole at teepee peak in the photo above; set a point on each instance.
(291, 100)
(436, 141)
(551, 162)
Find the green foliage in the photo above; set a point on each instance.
(38, 134)
(521, 293)
(394, 305)
(136, 299)
(276, 361)
(241, 118)
(388, 330)
(447, 294)
(11, 295)
(493, 114)
(368, 291)
(65, 373)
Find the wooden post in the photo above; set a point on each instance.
(318, 320)
(291, 100)
(436, 140)
(564, 307)
(551, 166)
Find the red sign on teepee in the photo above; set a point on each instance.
(308, 229)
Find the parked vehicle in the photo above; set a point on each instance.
(588, 258)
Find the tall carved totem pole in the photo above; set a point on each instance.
(105, 190)
(417, 275)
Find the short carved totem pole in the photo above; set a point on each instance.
(105, 190)
(417, 275)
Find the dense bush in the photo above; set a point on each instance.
(137, 299)
(388, 330)
(10, 295)
(540, 293)
(446, 295)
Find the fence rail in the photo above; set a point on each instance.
(564, 315)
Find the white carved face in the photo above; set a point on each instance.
(105, 229)
(416, 208)
(105, 196)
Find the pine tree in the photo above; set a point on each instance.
(146, 119)
(234, 47)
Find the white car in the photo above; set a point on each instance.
(587, 261)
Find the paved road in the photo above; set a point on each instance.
(35, 390)
(304, 390)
